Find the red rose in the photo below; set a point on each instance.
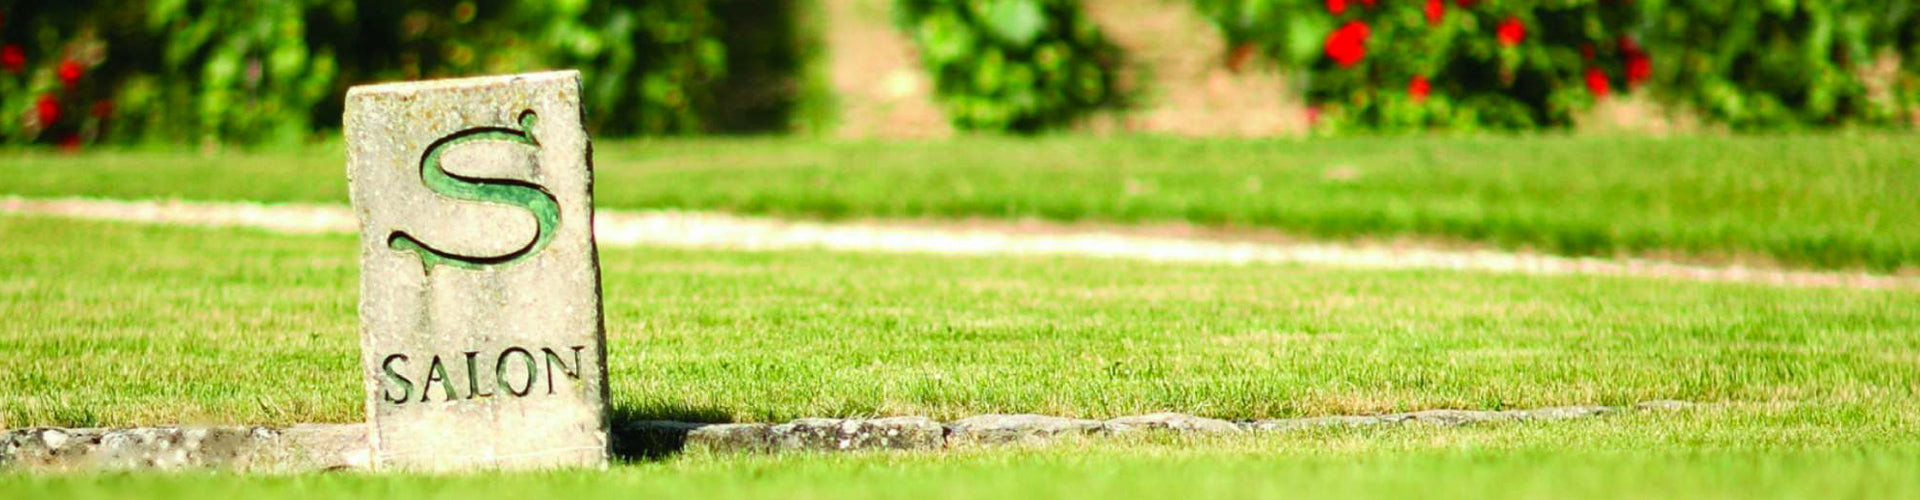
(1597, 83)
(1639, 69)
(12, 58)
(1348, 45)
(1463, 3)
(1419, 88)
(1337, 7)
(69, 72)
(1629, 46)
(1511, 32)
(70, 142)
(48, 109)
(1436, 11)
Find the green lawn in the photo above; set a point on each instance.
(1832, 201)
(123, 324)
(113, 324)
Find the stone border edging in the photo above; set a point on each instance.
(310, 447)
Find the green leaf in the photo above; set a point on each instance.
(1016, 22)
(1304, 36)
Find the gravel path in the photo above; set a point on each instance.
(707, 230)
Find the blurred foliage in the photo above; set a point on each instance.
(1011, 65)
(1515, 64)
(1473, 64)
(1774, 63)
(648, 65)
(250, 71)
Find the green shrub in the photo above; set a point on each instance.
(254, 71)
(251, 72)
(56, 80)
(1516, 64)
(1011, 65)
(1455, 64)
(1780, 63)
(648, 65)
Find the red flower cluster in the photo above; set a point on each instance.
(12, 58)
(47, 109)
(1348, 45)
(1419, 88)
(1338, 7)
(69, 72)
(1511, 32)
(1597, 83)
(1639, 65)
(1436, 11)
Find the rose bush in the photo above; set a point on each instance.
(1457, 64)
(192, 71)
(1517, 64)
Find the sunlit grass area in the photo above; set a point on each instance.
(1810, 390)
(1808, 200)
(118, 324)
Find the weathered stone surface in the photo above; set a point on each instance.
(481, 336)
(1176, 422)
(344, 446)
(1288, 424)
(733, 437)
(307, 447)
(1441, 418)
(648, 438)
(1663, 405)
(319, 447)
(1448, 418)
(1022, 427)
(894, 433)
(1563, 413)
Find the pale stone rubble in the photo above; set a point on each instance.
(309, 447)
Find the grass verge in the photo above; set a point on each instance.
(118, 324)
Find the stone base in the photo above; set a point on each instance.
(311, 447)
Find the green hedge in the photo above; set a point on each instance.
(257, 71)
(1787, 63)
(1514, 64)
(1011, 65)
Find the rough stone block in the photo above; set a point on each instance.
(1174, 422)
(999, 428)
(482, 343)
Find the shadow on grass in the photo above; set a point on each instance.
(649, 433)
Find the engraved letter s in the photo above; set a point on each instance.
(545, 208)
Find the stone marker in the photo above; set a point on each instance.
(481, 339)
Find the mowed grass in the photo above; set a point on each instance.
(1826, 201)
(1730, 453)
(117, 324)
